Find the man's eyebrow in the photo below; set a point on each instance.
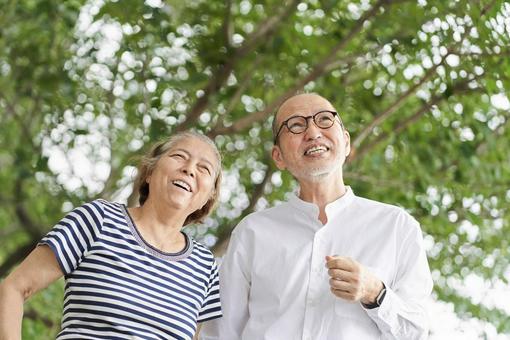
(298, 113)
(189, 155)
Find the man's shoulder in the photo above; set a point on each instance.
(271, 212)
(379, 207)
(371, 203)
(265, 217)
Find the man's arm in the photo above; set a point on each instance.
(401, 314)
(234, 295)
(36, 272)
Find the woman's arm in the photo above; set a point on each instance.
(39, 269)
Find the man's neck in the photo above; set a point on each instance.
(321, 193)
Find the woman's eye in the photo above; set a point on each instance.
(205, 169)
(177, 155)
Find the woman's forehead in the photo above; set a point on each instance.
(197, 147)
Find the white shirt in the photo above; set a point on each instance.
(274, 283)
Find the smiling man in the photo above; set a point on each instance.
(327, 264)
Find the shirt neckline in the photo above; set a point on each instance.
(185, 252)
(332, 209)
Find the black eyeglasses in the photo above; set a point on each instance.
(298, 124)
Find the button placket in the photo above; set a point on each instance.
(313, 291)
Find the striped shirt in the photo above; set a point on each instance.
(120, 287)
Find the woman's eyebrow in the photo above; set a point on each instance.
(201, 158)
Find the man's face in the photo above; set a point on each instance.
(314, 153)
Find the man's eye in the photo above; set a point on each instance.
(296, 125)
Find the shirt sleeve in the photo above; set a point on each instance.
(235, 288)
(211, 308)
(402, 313)
(72, 237)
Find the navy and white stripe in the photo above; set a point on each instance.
(119, 287)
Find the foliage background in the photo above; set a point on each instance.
(86, 86)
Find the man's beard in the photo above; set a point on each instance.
(315, 173)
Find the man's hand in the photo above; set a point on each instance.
(351, 281)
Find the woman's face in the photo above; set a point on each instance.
(184, 177)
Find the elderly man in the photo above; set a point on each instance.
(327, 264)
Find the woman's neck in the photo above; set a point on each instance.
(160, 228)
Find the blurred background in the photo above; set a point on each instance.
(422, 86)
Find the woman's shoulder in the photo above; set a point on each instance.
(106, 207)
(202, 252)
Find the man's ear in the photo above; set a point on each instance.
(276, 153)
(347, 139)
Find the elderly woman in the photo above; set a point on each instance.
(131, 273)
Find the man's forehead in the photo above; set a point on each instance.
(304, 104)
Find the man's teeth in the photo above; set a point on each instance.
(316, 150)
(182, 184)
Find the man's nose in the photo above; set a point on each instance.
(313, 131)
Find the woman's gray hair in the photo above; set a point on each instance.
(148, 163)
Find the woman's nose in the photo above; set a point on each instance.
(188, 170)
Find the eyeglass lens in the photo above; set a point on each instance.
(299, 124)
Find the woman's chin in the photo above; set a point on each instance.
(185, 206)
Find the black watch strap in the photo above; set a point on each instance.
(378, 300)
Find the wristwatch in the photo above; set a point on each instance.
(378, 300)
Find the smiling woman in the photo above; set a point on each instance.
(182, 146)
(131, 272)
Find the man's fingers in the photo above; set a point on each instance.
(340, 285)
(341, 262)
(329, 258)
(340, 274)
(343, 294)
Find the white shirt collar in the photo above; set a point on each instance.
(332, 209)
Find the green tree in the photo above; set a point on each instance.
(420, 85)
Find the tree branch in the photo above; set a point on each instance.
(396, 104)
(350, 59)
(376, 180)
(227, 24)
(261, 33)
(482, 147)
(318, 70)
(266, 28)
(245, 82)
(381, 117)
(505, 53)
(487, 7)
(224, 233)
(402, 125)
(19, 254)
(33, 315)
(114, 171)
(26, 222)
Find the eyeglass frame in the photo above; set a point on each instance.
(285, 123)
